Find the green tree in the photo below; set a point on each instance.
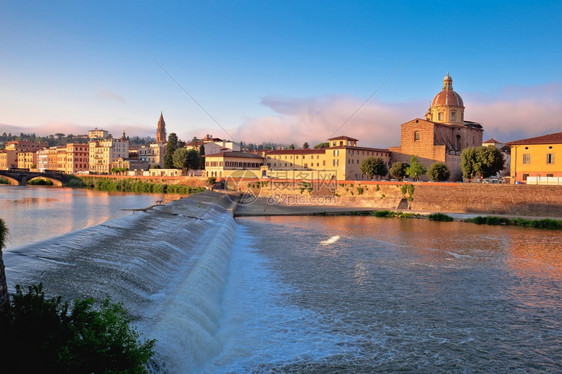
(438, 172)
(416, 169)
(292, 146)
(3, 285)
(399, 170)
(322, 145)
(481, 162)
(179, 158)
(65, 339)
(372, 166)
(171, 147)
(193, 159)
(201, 158)
(305, 145)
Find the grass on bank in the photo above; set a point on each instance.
(546, 223)
(132, 185)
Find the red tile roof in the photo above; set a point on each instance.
(555, 138)
(343, 137)
(296, 151)
(234, 154)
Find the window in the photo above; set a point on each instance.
(336, 162)
(440, 117)
(453, 116)
(525, 176)
(417, 135)
(526, 158)
(336, 153)
(550, 158)
(550, 175)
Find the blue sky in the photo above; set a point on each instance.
(286, 71)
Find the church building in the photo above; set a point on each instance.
(441, 135)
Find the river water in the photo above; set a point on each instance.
(316, 294)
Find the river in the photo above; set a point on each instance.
(315, 294)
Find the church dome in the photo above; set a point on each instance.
(447, 96)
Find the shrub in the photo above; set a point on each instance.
(381, 213)
(440, 217)
(211, 181)
(438, 172)
(4, 181)
(359, 190)
(47, 335)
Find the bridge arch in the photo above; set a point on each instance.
(13, 181)
(56, 182)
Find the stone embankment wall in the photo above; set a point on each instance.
(524, 200)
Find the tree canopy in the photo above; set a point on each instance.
(399, 170)
(438, 172)
(481, 162)
(305, 145)
(372, 166)
(416, 169)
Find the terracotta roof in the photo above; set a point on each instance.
(296, 151)
(492, 140)
(234, 154)
(361, 148)
(447, 97)
(343, 137)
(555, 138)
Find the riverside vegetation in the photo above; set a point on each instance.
(132, 185)
(47, 335)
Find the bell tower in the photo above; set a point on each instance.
(161, 130)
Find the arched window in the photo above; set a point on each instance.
(417, 135)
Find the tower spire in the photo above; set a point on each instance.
(161, 130)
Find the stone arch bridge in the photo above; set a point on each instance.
(20, 177)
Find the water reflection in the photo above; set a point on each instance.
(37, 213)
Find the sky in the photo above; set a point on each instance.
(280, 71)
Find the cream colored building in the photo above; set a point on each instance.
(340, 161)
(102, 153)
(153, 154)
(98, 134)
(233, 164)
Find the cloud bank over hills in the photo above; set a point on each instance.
(515, 112)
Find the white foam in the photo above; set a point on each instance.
(332, 240)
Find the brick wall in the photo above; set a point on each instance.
(524, 200)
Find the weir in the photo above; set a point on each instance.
(169, 270)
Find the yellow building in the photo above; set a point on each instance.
(340, 161)
(8, 159)
(233, 164)
(27, 160)
(536, 157)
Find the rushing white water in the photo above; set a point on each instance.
(373, 295)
